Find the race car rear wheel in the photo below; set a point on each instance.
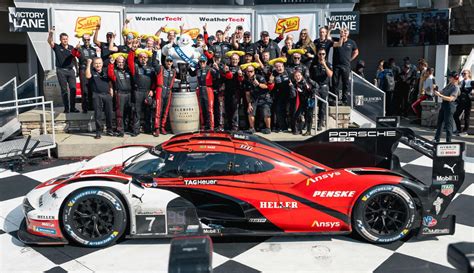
(384, 214)
(94, 217)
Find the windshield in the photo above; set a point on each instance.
(150, 162)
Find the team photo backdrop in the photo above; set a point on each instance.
(149, 23)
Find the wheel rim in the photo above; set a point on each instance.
(386, 214)
(93, 218)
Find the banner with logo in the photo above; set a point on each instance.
(367, 99)
(294, 23)
(149, 23)
(80, 22)
(346, 19)
(28, 20)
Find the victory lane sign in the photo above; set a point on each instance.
(28, 20)
(349, 20)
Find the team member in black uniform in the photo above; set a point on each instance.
(324, 41)
(64, 70)
(303, 91)
(221, 47)
(345, 50)
(321, 73)
(233, 93)
(144, 77)
(122, 82)
(104, 46)
(257, 92)
(281, 95)
(206, 75)
(165, 79)
(83, 53)
(305, 43)
(464, 103)
(267, 44)
(448, 96)
(296, 64)
(101, 95)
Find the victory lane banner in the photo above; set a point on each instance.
(349, 20)
(149, 23)
(28, 20)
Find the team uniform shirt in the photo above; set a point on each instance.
(342, 55)
(83, 54)
(324, 44)
(450, 90)
(318, 73)
(64, 57)
(99, 82)
(259, 95)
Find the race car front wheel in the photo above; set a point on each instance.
(384, 214)
(94, 217)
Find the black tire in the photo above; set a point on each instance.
(384, 214)
(94, 217)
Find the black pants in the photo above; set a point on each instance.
(123, 106)
(141, 110)
(280, 108)
(102, 102)
(464, 105)
(342, 74)
(322, 93)
(85, 91)
(67, 77)
(445, 115)
(232, 104)
(389, 100)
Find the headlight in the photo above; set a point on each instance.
(27, 207)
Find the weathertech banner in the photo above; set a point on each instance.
(28, 20)
(79, 22)
(273, 23)
(149, 23)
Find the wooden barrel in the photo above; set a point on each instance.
(184, 112)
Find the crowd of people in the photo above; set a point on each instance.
(407, 86)
(274, 86)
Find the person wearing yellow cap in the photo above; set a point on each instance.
(297, 64)
(144, 76)
(281, 94)
(257, 93)
(83, 53)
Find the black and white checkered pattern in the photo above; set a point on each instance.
(247, 254)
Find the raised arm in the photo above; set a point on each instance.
(50, 38)
(96, 35)
(88, 69)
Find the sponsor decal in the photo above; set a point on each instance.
(246, 147)
(437, 231)
(278, 205)
(333, 193)
(326, 224)
(200, 182)
(105, 170)
(87, 24)
(111, 199)
(257, 220)
(442, 179)
(46, 224)
(176, 229)
(447, 189)
(291, 24)
(322, 177)
(44, 230)
(349, 136)
(108, 239)
(192, 228)
(207, 147)
(45, 217)
(159, 18)
(238, 136)
(151, 211)
(448, 150)
(429, 221)
(211, 230)
(437, 204)
(451, 168)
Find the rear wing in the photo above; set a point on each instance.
(374, 147)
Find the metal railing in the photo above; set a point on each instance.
(337, 107)
(316, 110)
(43, 104)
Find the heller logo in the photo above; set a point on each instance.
(278, 205)
(326, 224)
(333, 193)
(321, 177)
(447, 189)
(291, 23)
(446, 166)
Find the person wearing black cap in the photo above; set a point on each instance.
(64, 70)
(448, 106)
(104, 46)
(102, 94)
(83, 53)
(246, 45)
(321, 72)
(165, 77)
(267, 44)
(206, 75)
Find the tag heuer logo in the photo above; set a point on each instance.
(447, 189)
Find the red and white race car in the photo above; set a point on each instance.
(240, 184)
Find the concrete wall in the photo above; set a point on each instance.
(20, 70)
(372, 46)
